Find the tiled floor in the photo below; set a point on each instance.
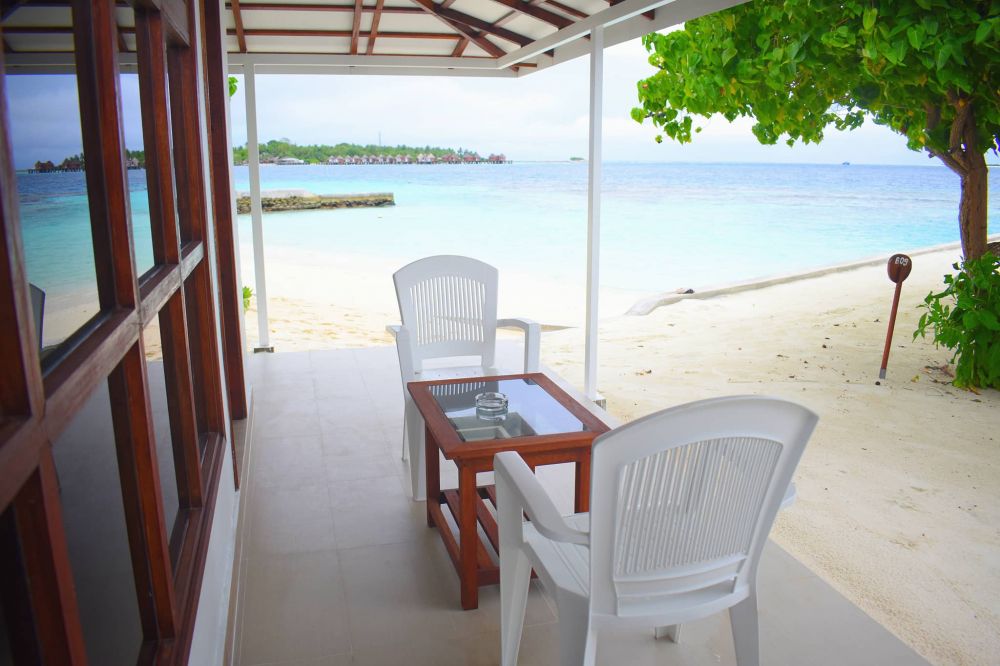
(337, 565)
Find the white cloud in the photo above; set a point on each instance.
(542, 116)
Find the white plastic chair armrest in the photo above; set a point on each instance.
(789, 499)
(522, 483)
(532, 339)
(393, 330)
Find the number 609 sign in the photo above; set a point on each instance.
(899, 269)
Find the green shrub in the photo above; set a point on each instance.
(965, 318)
(247, 295)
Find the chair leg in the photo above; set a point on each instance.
(577, 639)
(672, 633)
(413, 439)
(515, 578)
(746, 637)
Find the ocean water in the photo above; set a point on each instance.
(663, 226)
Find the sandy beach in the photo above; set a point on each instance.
(897, 490)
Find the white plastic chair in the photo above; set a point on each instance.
(448, 306)
(682, 502)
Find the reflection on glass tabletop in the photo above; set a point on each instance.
(530, 410)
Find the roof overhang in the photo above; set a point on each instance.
(478, 38)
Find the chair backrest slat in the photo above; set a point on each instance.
(682, 501)
(450, 303)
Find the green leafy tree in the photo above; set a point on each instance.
(928, 69)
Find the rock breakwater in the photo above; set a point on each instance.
(281, 200)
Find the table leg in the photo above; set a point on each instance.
(432, 467)
(468, 537)
(583, 482)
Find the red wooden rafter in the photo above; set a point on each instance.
(535, 12)
(373, 33)
(475, 36)
(356, 28)
(238, 20)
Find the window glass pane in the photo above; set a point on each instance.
(52, 190)
(13, 598)
(6, 658)
(94, 522)
(164, 442)
(196, 338)
(135, 162)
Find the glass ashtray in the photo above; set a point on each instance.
(491, 406)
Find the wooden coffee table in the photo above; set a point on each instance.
(544, 424)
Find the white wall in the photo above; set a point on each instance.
(208, 642)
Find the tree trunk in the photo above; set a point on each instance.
(972, 207)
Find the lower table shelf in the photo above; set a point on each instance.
(487, 566)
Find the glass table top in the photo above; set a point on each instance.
(530, 410)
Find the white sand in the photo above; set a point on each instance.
(898, 489)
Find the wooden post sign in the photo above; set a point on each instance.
(899, 269)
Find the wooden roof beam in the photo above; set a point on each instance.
(460, 47)
(534, 12)
(277, 7)
(51, 30)
(122, 46)
(356, 27)
(566, 9)
(283, 32)
(477, 24)
(373, 33)
(476, 37)
(238, 20)
(651, 14)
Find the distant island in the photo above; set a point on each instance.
(282, 151)
(134, 159)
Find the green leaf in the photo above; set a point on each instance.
(989, 320)
(868, 20)
(942, 56)
(983, 31)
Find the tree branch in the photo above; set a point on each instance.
(948, 161)
(933, 116)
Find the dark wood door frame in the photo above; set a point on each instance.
(192, 226)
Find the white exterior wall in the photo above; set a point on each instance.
(209, 638)
(208, 642)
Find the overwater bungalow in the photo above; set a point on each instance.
(173, 509)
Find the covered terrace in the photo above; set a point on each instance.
(327, 560)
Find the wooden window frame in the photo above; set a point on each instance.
(38, 402)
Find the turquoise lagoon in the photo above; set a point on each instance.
(663, 226)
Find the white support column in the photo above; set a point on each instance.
(253, 159)
(233, 214)
(594, 209)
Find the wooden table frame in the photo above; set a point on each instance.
(467, 505)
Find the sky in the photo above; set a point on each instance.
(541, 116)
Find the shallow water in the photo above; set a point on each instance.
(663, 226)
